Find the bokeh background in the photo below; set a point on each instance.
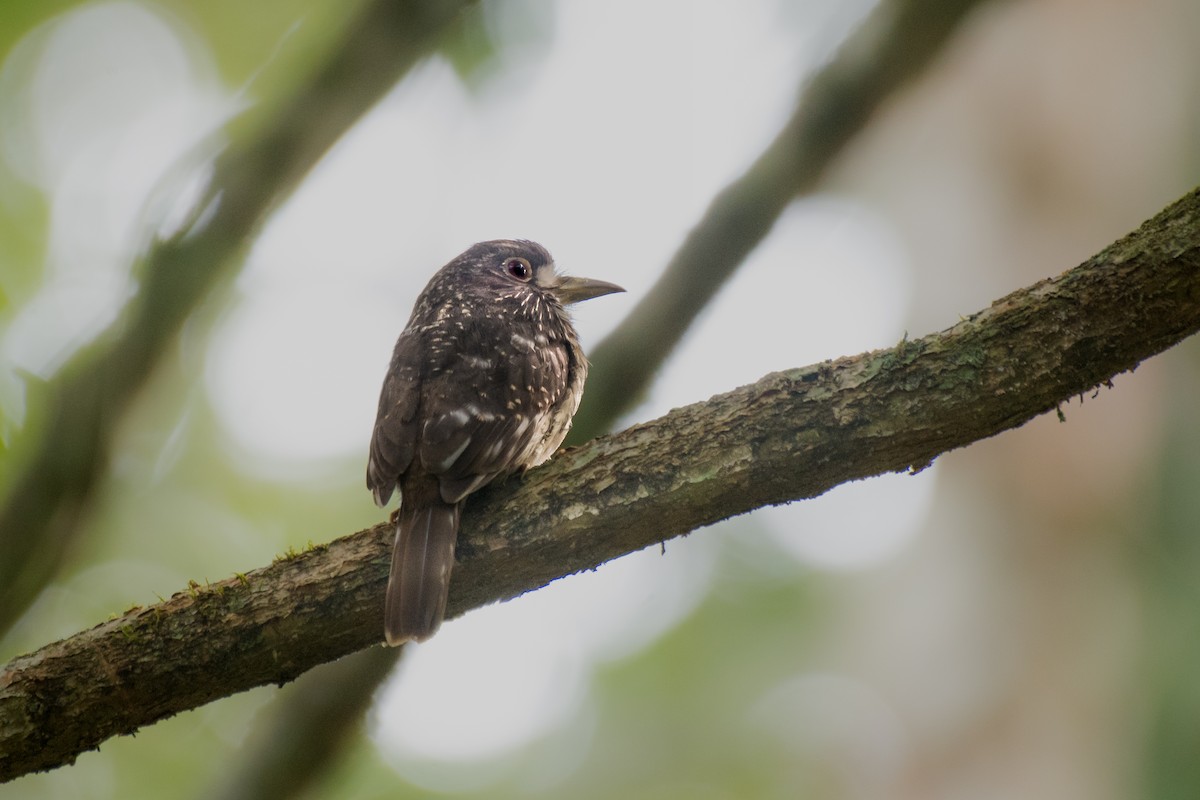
(1018, 620)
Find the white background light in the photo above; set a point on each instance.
(608, 156)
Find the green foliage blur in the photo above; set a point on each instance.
(1037, 637)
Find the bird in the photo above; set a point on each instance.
(483, 382)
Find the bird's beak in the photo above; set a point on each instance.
(574, 290)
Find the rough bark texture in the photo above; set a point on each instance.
(41, 514)
(893, 47)
(883, 55)
(791, 435)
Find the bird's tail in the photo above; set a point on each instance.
(422, 558)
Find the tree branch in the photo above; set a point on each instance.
(43, 510)
(791, 435)
(309, 724)
(900, 38)
(893, 46)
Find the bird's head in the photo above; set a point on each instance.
(520, 268)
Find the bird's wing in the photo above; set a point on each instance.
(394, 439)
(491, 423)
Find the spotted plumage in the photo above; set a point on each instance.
(484, 381)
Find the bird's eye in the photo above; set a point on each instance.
(519, 268)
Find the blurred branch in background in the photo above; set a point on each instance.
(44, 510)
(895, 44)
(283, 755)
(791, 435)
(1168, 560)
(892, 47)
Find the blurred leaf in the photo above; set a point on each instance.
(266, 47)
(21, 16)
(489, 33)
(470, 48)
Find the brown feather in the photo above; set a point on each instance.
(422, 558)
(482, 383)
